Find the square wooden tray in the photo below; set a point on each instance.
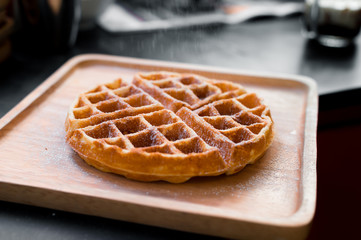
(273, 198)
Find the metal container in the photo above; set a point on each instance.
(333, 23)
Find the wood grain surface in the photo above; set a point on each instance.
(274, 196)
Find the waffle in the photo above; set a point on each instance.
(175, 90)
(169, 126)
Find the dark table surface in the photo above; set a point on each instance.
(267, 45)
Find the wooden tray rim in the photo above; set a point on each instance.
(304, 214)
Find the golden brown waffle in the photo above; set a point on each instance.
(241, 128)
(175, 90)
(106, 102)
(168, 126)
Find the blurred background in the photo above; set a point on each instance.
(291, 36)
(315, 38)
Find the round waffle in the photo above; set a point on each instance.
(169, 126)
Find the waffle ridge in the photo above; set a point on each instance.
(169, 126)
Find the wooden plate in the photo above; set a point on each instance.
(274, 197)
